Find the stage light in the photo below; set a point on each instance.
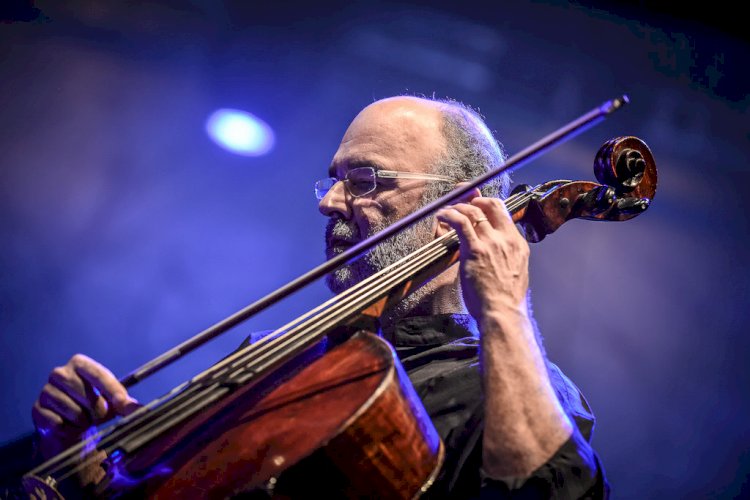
(240, 132)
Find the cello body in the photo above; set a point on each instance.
(348, 425)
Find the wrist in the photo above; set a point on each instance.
(504, 321)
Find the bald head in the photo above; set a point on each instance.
(464, 147)
(406, 108)
(400, 128)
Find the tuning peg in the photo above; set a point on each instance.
(632, 205)
(599, 200)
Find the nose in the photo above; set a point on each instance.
(335, 201)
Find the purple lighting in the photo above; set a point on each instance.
(240, 132)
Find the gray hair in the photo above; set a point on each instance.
(471, 150)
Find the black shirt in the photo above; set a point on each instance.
(441, 357)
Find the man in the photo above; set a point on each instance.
(511, 422)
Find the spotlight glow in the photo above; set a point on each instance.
(240, 132)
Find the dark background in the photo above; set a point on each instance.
(125, 230)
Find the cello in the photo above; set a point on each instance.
(224, 432)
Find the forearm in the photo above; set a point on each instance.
(524, 422)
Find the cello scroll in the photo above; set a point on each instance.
(626, 170)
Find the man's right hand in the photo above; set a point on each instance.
(78, 395)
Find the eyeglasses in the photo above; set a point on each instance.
(363, 180)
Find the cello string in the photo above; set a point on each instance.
(160, 422)
(335, 320)
(195, 382)
(511, 206)
(103, 441)
(180, 401)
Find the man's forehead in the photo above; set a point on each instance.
(399, 111)
(394, 130)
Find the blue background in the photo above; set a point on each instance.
(125, 230)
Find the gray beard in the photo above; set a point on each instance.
(383, 255)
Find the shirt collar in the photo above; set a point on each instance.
(438, 329)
